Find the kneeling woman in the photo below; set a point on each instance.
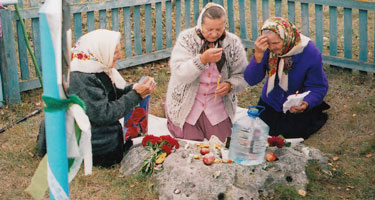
(207, 65)
(292, 64)
(107, 97)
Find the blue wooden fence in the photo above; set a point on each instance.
(342, 29)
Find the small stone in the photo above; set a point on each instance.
(216, 174)
(177, 191)
(368, 155)
(335, 158)
(373, 180)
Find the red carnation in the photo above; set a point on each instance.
(173, 142)
(143, 124)
(129, 123)
(167, 148)
(276, 141)
(147, 138)
(137, 114)
(131, 132)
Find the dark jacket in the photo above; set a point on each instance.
(105, 105)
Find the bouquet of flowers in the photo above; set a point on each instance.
(160, 148)
(135, 123)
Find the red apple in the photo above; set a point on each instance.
(208, 159)
(205, 151)
(270, 157)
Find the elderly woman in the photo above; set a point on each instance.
(293, 64)
(94, 78)
(207, 65)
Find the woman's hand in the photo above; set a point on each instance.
(261, 45)
(223, 89)
(211, 55)
(145, 87)
(299, 109)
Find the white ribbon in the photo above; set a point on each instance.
(82, 152)
(54, 186)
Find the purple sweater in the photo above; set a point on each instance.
(306, 74)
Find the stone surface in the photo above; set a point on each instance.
(186, 178)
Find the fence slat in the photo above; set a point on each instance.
(319, 27)
(168, 24)
(348, 32)
(205, 2)
(241, 5)
(137, 30)
(305, 19)
(278, 8)
(333, 31)
(9, 69)
(178, 17)
(291, 12)
(36, 35)
(363, 35)
(90, 19)
(187, 14)
(231, 16)
(265, 9)
(127, 32)
(148, 28)
(159, 27)
(22, 49)
(254, 19)
(115, 19)
(196, 11)
(77, 21)
(102, 19)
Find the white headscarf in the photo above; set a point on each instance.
(208, 5)
(94, 52)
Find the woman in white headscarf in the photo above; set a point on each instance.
(207, 65)
(94, 78)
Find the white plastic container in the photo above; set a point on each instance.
(249, 138)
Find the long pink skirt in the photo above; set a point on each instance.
(202, 129)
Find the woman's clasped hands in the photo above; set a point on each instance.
(145, 87)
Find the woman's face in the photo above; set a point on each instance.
(275, 43)
(117, 55)
(212, 29)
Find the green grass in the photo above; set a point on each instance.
(349, 135)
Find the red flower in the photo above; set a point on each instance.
(143, 124)
(156, 140)
(79, 56)
(173, 142)
(129, 123)
(148, 138)
(276, 141)
(131, 132)
(167, 148)
(137, 114)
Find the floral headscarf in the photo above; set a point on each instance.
(206, 44)
(293, 43)
(94, 52)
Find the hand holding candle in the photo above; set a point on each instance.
(222, 89)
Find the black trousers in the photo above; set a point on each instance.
(298, 125)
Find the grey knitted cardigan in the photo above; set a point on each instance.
(186, 68)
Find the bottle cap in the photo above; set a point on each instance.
(253, 112)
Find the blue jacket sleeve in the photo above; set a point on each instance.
(255, 72)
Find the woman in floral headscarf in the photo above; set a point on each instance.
(207, 65)
(94, 78)
(293, 64)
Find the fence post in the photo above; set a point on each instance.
(9, 65)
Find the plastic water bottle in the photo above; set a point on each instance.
(249, 138)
